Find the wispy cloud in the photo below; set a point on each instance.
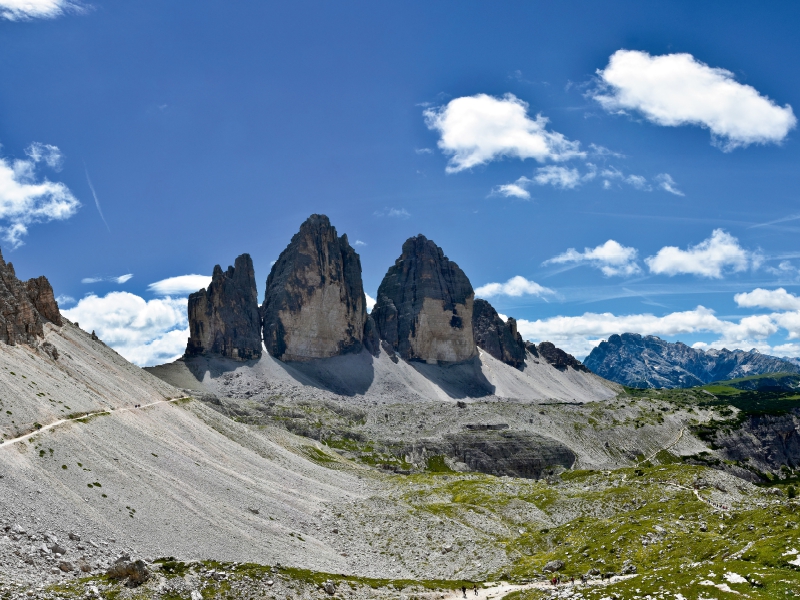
(119, 280)
(677, 89)
(96, 201)
(64, 300)
(667, 183)
(359, 243)
(394, 213)
(23, 10)
(180, 285)
(25, 199)
(423, 150)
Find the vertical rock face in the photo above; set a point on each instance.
(424, 306)
(560, 359)
(224, 318)
(24, 307)
(496, 337)
(314, 304)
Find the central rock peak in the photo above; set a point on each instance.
(424, 306)
(314, 304)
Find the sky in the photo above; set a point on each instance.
(594, 168)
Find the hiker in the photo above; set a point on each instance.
(475, 588)
(572, 579)
(464, 590)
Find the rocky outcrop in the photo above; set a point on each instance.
(497, 337)
(559, 359)
(314, 304)
(424, 306)
(25, 307)
(224, 318)
(650, 362)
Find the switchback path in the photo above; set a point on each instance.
(112, 411)
(500, 590)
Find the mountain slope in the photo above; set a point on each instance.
(650, 362)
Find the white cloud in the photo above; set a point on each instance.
(612, 258)
(64, 300)
(475, 130)
(639, 182)
(560, 177)
(710, 258)
(516, 286)
(145, 332)
(778, 299)
(423, 151)
(119, 280)
(395, 213)
(21, 10)
(360, 243)
(516, 189)
(24, 200)
(370, 302)
(578, 335)
(677, 89)
(181, 285)
(667, 183)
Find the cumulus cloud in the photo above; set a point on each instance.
(667, 183)
(677, 89)
(25, 199)
(146, 332)
(516, 286)
(612, 258)
(579, 334)
(778, 299)
(710, 258)
(22, 10)
(180, 285)
(64, 300)
(475, 130)
(370, 301)
(560, 177)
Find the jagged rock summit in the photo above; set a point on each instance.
(424, 306)
(224, 318)
(25, 307)
(497, 337)
(650, 362)
(314, 305)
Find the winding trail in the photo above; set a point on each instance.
(668, 446)
(111, 411)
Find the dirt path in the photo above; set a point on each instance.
(22, 438)
(698, 496)
(500, 590)
(668, 446)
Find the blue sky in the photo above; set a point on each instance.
(625, 166)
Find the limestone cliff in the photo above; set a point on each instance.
(224, 318)
(24, 307)
(559, 359)
(497, 337)
(424, 306)
(314, 304)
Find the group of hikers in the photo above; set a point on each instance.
(474, 589)
(556, 581)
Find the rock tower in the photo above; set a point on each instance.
(314, 304)
(424, 306)
(224, 318)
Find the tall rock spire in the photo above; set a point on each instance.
(224, 318)
(314, 304)
(424, 305)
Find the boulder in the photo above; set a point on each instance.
(496, 337)
(224, 318)
(25, 307)
(560, 359)
(314, 305)
(424, 306)
(66, 566)
(136, 572)
(553, 566)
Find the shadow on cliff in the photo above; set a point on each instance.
(458, 380)
(346, 375)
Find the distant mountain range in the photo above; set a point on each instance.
(650, 362)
